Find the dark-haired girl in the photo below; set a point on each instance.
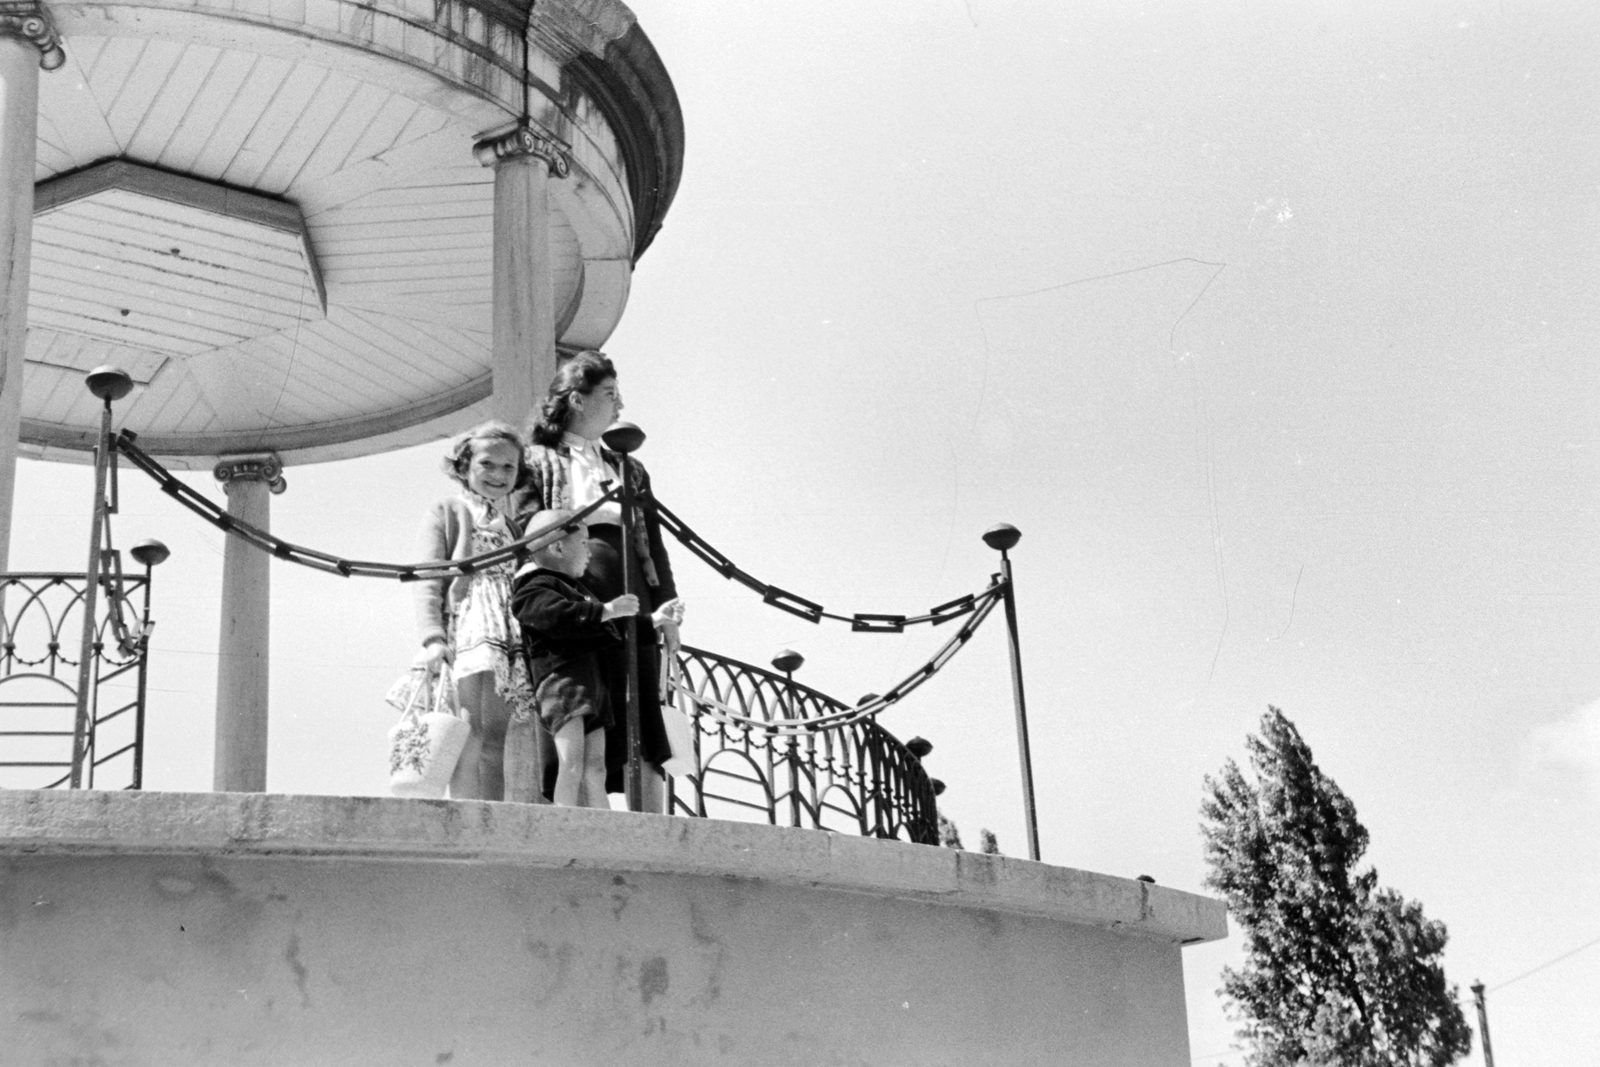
(570, 469)
(467, 620)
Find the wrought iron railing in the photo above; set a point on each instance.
(41, 622)
(760, 752)
(760, 742)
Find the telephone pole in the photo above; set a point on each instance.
(1483, 1023)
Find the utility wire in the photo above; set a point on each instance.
(1593, 941)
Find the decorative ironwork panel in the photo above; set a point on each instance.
(41, 625)
(761, 751)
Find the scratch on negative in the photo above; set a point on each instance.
(1201, 413)
(1294, 598)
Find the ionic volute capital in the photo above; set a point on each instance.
(261, 467)
(30, 21)
(524, 140)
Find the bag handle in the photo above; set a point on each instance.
(445, 698)
(415, 704)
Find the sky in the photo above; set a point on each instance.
(1272, 327)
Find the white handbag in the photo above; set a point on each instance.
(424, 746)
(680, 732)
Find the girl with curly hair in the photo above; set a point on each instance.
(466, 621)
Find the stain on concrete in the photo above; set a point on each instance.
(292, 957)
(445, 1057)
(978, 870)
(652, 979)
(712, 953)
(215, 881)
(699, 928)
(555, 967)
(990, 923)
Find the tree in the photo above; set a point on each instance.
(1338, 972)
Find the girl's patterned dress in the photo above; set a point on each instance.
(486, 635)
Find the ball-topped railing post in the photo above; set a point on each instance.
(625, 438)
(788, 661)
(1003, 537)
(151, 554)
(108, 384)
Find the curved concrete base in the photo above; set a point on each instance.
(259, 929)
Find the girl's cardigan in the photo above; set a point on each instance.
(446, 534)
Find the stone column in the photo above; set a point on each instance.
(240, 764)
(524, 291)
(28, 41)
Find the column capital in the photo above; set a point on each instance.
(260, 467)
(524, 140)
(30, 21)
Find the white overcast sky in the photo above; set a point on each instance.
(1272, 326)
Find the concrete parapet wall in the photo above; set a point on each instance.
(260, 929)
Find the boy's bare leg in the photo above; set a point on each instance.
(594, 771)
(570, 763)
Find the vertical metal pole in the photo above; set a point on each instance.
(144, 665)
(1002, 538)
(794, 756)
(91, 583)
(1022, 706)
(1483, 1023)
(635, 780)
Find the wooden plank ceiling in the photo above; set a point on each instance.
(226, 334)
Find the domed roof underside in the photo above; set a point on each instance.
(289, 244)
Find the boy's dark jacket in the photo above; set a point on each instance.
(562, 629)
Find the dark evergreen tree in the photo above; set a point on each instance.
(1338, 972)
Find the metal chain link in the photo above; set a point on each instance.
(322, 561)
(725, 714)
(861, 622)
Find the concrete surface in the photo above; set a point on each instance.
(260, 929)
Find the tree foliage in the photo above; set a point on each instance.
(1338, 972)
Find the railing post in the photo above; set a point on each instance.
(625, 438)
(788, 661)
(151, 553)
(1003, 538)
(107, 383)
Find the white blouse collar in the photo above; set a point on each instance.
(581, 444)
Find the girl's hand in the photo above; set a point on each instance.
(623, 607)
(432, 653)
(670, 612)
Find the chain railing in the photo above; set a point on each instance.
(765, 746)
(761, 742)
(41, 616)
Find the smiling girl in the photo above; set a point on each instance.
(467, 620)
